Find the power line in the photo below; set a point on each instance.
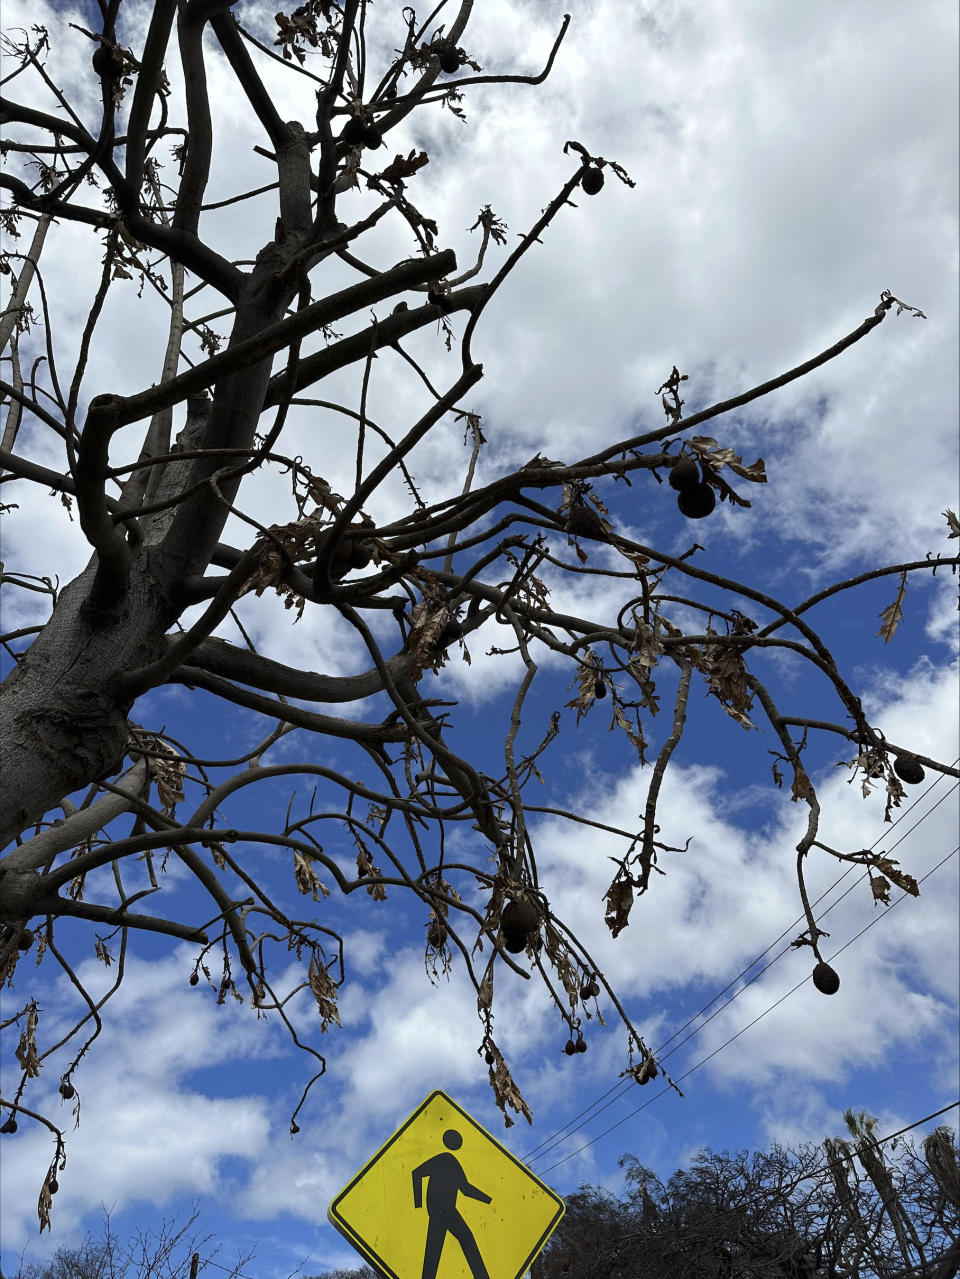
(622, 1086)
(786, 950)
(742, 1030)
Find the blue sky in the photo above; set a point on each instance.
(790, 163)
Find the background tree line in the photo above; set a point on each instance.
(849, 1208)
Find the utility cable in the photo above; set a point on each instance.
(622, 1086)
(743, 1029)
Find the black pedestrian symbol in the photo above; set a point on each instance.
(445, 1181)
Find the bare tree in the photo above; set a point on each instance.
(172, 1250)
(442, 570)
(782, 1213)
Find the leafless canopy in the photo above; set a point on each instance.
(442, 570)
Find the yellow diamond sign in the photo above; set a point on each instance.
(442, 1199)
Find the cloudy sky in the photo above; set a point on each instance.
(790, 162)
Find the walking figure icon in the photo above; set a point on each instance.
(446, 1181)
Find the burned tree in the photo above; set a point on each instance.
(479, 556)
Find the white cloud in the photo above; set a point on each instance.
(152, 1121)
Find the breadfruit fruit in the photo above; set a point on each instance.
(515, 942)
(53, 1185)
(684, 475)
(581, 1045)
(194, 979)
(594, 989)
(67, 1091)
(436, 934)
(10, 1126)
(825, 979)
(449, 60)
(909, 769)
(600, 690)
(520, 917)
(489, 1057)
(108, 62)
(372, 137)
(570, 1048)
(697, 502)
(354, 132)
(592, 181)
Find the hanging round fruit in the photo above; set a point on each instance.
(449, 60)
(909, 769)
(697, 502)
(353, 132)
(684, 475)
(826, 979)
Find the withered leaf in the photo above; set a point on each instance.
(401, 167)
(619, 901)
(756, 473)
(586, 685)
(801, 789)
(307, 879)
(44, 1204)
(900, 877)
(880, 888)
(368, 870)
(507, 1093)
(892, 615)
(26, 1050)
(324, 992)
(633, 731)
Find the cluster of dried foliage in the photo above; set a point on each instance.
(440, 571)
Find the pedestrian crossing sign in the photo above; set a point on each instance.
(442, 1199)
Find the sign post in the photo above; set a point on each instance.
(442, 1199)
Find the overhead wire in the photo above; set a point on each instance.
(741, 1031)
(621, 1086)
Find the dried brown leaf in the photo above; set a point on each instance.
(324, 992)
(801, 788)
(26, 1050)
(880, 888)
(586, 682)
(892, 615)
(900, 877)
(507, 1093)
(619, 902)
(307, 879)
(402, 167)
(368, 870)
(44, 1204)
(633, 731)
